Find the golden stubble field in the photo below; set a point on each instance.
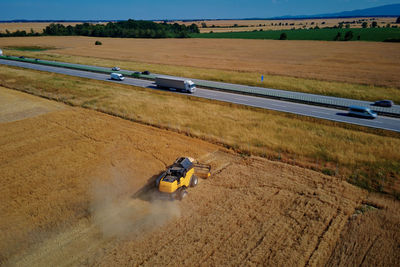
(67, 197)
(354, 62)
(27, 26)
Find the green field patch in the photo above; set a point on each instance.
(30, 48)
(367, 34)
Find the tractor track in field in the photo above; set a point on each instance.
(320, 238)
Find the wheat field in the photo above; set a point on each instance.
(69, 197)
(28, 26)
(286, 24)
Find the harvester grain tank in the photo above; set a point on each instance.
(184, 173)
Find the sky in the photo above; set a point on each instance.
(174, 9)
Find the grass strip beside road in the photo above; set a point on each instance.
(328, 88)
(369, 159)
(68, 65)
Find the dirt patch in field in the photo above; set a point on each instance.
(353, 62)
(69, 197)
(15, 105)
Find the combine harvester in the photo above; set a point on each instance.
(184, 173)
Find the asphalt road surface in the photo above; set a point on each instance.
(382, 122)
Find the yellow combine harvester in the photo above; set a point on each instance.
(179, 176)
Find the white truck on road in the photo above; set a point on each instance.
(179, 84)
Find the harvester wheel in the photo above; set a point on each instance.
(194, 181)
(182, 194)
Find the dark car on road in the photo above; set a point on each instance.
(384, 103)
(146, 72)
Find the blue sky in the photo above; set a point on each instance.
(174, 9)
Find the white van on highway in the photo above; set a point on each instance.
(117, 76)
(362, 112)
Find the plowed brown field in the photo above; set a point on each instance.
(68, 196)
(354, 62)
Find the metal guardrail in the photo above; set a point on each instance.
(71, 66)
(313, 99)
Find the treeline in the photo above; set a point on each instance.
(19, 33)
(125, 29)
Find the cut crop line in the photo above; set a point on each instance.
(77, 132)
(321, 237)
(367, 251)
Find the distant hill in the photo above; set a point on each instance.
(55, 21)
(380, 11)
(386, 10)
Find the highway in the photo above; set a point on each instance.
(382, 122)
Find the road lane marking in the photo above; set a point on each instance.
(325, 113)
(277, 105)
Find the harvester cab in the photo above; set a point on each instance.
(183, 173)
